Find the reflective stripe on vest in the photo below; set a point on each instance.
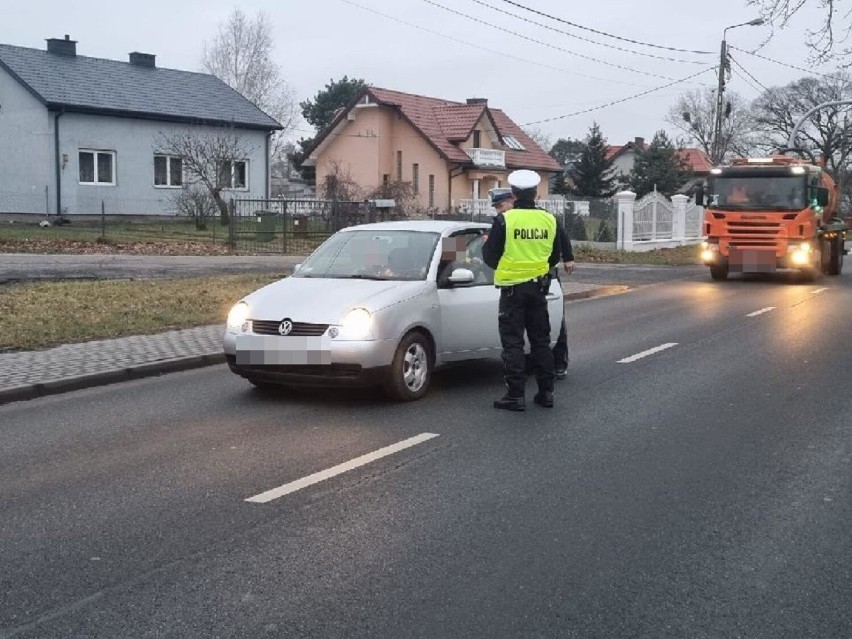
(529, 242)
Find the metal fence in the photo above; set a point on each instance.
(295, 227)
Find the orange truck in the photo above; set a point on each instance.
(765, 214)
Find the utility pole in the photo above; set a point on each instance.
(718, 150)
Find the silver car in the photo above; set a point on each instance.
(376, 304)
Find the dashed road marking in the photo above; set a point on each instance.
(304, 482)
(650, 351)
(761, 311)
(820, 290)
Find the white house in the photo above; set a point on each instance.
(76, 131)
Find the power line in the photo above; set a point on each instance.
(578, 37)
(494, 51)
(552, 46)
(603, 33)
(631, 97)
(747, 81)
(783, 64)
(743, 69)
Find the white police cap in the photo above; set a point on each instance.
(523, 179)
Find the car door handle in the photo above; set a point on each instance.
(552, 298)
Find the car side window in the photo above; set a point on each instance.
(465, 251)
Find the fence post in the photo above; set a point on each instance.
(232, 235)
(626, 201)
(679, 218)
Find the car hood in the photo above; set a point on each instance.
(325, 301)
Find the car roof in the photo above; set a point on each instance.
(444, 227)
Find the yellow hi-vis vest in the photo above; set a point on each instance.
(530, 234)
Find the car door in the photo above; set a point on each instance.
(468, 311)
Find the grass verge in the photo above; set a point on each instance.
(679, 256)
(36, 315)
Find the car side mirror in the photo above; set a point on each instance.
(461, 276)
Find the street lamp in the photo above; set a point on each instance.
(723, 64)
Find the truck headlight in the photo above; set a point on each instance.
(709, 252)
(801, 255)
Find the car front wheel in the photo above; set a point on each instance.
(411, 369)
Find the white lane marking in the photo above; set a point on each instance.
(304, 482)
(819, 290)
(650, 351)
(761, 311)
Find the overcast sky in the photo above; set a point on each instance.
(417, 47)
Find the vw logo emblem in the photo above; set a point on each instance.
(285, 327)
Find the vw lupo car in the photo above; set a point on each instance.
(376, 304)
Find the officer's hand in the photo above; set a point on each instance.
(568, 267)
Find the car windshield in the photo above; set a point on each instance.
(372, 254)
(758, 193)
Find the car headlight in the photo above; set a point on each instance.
(357, 323)
(238, 316)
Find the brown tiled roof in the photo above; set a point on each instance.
(444, 122)
(697, 160)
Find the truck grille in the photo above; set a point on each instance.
(300, 329)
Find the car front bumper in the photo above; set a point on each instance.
(344, 363)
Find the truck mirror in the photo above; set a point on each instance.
(822, 196)
(699, 195)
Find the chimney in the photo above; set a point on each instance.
(62, 47)
(478, 101)
(143, 59)
(639, 143)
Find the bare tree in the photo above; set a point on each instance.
(693, 115)
(540, 137)
(213, 159)
(829, 40)
(828, 131)
(241, 56)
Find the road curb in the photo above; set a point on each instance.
(595, 292)
(78, 382)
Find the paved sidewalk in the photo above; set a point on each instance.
(29, 374)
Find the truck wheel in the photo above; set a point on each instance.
(411, 369)
(719, 271)
(835, 258)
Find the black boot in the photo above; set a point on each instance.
(544, 398)
(510, 402)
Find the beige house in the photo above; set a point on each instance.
(450, 152)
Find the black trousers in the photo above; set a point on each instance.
(523, 308)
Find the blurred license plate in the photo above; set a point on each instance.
(751, 261)
(274, 350)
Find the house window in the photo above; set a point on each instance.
(415, 178)
(399, 166)
(234, 174)
(168, 170)
(385, 178)
(97, 167)
(431, 191)
(512, 142)
(477, 142)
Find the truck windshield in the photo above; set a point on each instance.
(747, 193)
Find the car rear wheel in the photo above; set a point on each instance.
(411, 370)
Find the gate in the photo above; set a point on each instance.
(292, 227)
(653, 217)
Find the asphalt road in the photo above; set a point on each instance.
(696, 490)
(23, 267)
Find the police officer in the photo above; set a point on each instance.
(522, 246)
(503, 200)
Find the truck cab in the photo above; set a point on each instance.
(766, 214)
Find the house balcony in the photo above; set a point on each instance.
(487, 157)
